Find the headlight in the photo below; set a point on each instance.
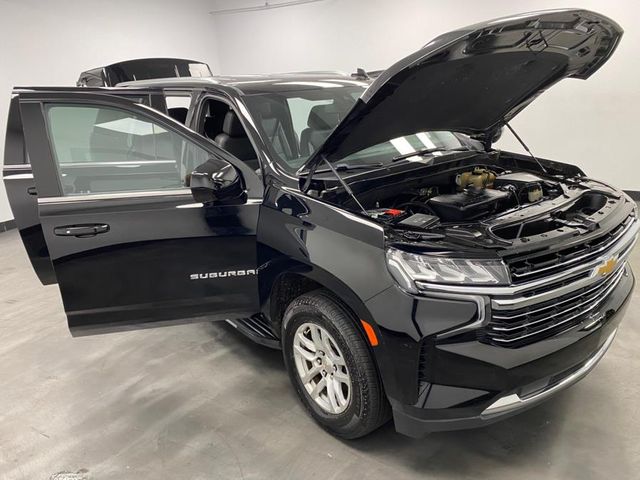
(407, 268)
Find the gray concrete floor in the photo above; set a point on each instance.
(202, 402)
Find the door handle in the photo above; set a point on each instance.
(81, 230)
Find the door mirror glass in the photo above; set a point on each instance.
(215, 181)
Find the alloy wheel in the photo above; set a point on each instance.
(322, 368)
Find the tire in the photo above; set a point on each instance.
(366, 407)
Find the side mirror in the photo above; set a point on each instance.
(215, 181)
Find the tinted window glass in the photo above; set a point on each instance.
(386, 151)
(297, 122)
(103, 149)
(178, 107)
(308, 116)
(178, 101)
(300, 109)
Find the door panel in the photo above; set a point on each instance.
(129, 246)
(140, 271)
(20, 184)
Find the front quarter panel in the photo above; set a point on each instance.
(342, 252)
(298, 229)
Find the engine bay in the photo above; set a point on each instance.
(490, 199)
(489, 205)
(465, 196)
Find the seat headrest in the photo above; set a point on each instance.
(217, 108)
(232, 125)
(323, 117)
(178, 113)
(272, 110)
(212, 126)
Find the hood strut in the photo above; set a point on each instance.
(524, 145)
(342, 182)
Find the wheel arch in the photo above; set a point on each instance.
(299, 279)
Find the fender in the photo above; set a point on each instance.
(272, 278)
(309, 278)
(302, 235)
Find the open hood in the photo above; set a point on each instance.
(475, 79)
(142, 69)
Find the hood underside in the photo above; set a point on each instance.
(475, 79)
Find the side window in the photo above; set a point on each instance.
(105, 149)
(222, 125)
(178, 107)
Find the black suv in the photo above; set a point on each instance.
(366, 227)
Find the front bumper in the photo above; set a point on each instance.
(437, 383)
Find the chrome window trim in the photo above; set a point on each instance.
(127, 163)
(19, 166)
(126, 195)
(114, 195)
(18, 176)
(513, 401)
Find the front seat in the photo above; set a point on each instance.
(214, 119)
(274, 120)
(234, 140)
(322, 120)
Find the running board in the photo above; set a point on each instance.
(256, 328)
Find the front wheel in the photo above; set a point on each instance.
(331, 367)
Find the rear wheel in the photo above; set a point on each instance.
(331, 366)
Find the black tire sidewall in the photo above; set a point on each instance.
(348, 420)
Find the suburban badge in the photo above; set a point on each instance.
(226, 274)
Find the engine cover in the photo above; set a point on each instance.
(467, 205)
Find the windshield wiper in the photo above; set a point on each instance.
(427, 151)
(344, 167)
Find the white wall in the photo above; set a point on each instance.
(590, 123)
(51, 42)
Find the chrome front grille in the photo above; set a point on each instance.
(560, 297)
(557, 300)
(544, 263)
(521, 326)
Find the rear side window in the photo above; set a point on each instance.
(178, 107)
(105, 149)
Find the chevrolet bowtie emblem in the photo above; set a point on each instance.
(607, 267)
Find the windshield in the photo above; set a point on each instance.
(295, 123)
